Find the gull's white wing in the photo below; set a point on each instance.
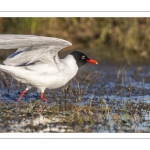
(32, 49)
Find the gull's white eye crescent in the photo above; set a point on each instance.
(83, 57)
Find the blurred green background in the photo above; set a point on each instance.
(106, 39)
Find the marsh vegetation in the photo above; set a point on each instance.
(104, 99)
(107, 38)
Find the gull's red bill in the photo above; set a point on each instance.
(92, 61)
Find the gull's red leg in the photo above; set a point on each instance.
(22, 94)
(43, 98)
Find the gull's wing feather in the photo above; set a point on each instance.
(31, 48)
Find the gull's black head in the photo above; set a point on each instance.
(82, 59)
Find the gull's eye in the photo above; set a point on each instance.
(83, 57)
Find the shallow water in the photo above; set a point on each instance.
(101, 86)
(102, 80)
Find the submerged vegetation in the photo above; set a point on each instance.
(110, 39)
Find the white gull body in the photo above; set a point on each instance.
(36, 62)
